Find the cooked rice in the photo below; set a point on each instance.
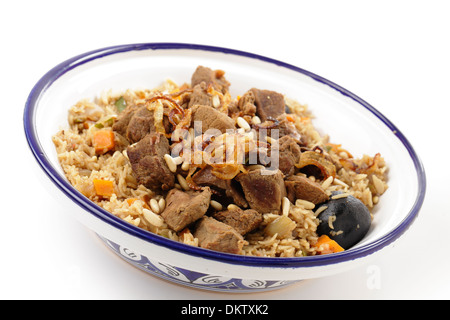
(81, 166)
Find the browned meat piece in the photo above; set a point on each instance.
(269, 104)
(134, 123)
(289, 153)
(200, 96)
(214, 77)
(211, 118)
(218, 236)
(287, 128)
(148, 164)
(122, 121)
(184, 208)
(140, 124)
(242, 221)
(263, 192)
(244, 107)
(205, 177)
(247, 104)
(300, 187)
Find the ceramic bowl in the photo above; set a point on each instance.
(343, 115)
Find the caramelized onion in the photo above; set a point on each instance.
(318, 160)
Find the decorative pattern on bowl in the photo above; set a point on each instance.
(192, 278)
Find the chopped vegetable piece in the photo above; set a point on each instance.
(120, 104)
(103, 188)
(130, 201)
(290, 118)
(326, 245)
(103, 141)
(109, 122)
(282, 226)
(318, 160)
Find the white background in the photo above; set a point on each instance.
(393, 54)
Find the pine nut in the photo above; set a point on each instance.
(243, 124)
(154, 205)
(232, 207)
(178, 160)
(185, 166)
(161, 204)
(256, 120)
(183, 183)
(216, 205)
(285, 206)
(170, 163)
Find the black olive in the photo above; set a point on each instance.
(287, 109)
(350, 216)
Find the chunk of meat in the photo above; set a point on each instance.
(123, 119)
(211, 118)
(200, 96)
(205, 177)
(300, 187)
(141, 123)
(263, 193)
(247, 104)
(218, 236)
(289, 154)
(135, 122)
(269, 104)
(210, 77)
(183, 208)
(244, 107)
(148, 164)
(243, 221)
(287, 128)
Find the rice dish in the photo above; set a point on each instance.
(109, 164)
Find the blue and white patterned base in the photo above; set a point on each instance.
(191, 278)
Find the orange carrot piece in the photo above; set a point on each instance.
(103, 188)
(333, 246)
(103, 141)
(290, 118)
(130, 201)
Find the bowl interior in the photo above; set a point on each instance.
(358, 128)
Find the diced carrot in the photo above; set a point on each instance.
(331, 246)
(130, 201)
(103, 141)
(103, 188)
(290, 118)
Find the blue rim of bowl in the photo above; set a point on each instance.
(313, 261)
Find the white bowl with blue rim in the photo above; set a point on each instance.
(345, 117)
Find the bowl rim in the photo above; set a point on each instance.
(296, 262)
